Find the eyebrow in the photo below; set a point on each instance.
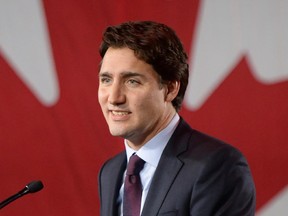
(124, 74)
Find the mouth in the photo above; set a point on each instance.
(119, 113)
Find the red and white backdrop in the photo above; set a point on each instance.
(51, 126)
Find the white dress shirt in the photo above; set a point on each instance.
(150, 153)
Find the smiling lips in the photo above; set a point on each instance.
(119, 115)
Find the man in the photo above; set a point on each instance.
(142, 81)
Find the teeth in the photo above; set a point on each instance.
(120, 113)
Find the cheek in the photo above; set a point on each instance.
(156, 98)
(102, 103)
(151, 103)
(101, 96)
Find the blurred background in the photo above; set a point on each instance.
(51, 126)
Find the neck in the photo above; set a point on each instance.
(137, 142)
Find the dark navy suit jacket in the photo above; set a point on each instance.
(197, 175)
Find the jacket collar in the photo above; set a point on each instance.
(169, 166)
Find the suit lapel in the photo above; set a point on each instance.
(164, 177)
(167, 170)
(115, 182)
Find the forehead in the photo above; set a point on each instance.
(119, 52)
(119, 60)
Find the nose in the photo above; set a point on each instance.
(116, 94)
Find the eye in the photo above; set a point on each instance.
(105, 80)
(133, 82)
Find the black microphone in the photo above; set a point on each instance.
(32, 187)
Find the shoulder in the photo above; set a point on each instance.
(193, 146)
(200, 142)
(217, 168)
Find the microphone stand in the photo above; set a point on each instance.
(32, 187)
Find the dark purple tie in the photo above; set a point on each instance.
(133, 187)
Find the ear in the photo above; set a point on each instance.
(172, 90)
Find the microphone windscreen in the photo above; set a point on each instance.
(34, 186)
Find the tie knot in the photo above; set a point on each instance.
(135, 165)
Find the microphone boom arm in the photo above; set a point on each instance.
(32, 187)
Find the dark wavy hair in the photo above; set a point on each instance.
(156, 44)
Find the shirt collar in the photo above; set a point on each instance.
(152, 150)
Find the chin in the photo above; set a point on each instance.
(117, 132)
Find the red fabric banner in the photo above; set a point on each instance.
(64, 140)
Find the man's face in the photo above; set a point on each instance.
(132, 100)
